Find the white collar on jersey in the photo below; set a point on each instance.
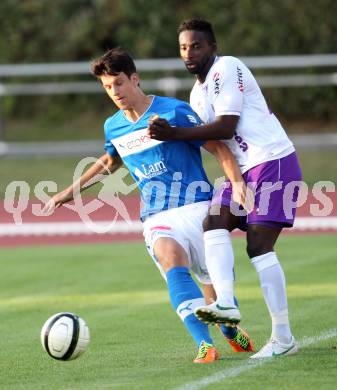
(150, 105)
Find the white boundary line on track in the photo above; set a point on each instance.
(126, 227)
(67, 227)
(251, 364)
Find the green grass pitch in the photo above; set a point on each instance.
(137, 341)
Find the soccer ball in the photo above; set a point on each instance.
(65, 336)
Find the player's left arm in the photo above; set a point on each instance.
(104, 165)
(232, 171)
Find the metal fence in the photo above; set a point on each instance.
(170, 83)
(94, 148)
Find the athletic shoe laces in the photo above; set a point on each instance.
(203, 349)
(241, 339)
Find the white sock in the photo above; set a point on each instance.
(273, 285)
(220, 263)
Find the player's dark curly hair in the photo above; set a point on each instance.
(113, 62)
(197, 24)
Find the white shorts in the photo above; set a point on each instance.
(183, 224)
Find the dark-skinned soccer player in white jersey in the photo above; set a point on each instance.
(229, 101)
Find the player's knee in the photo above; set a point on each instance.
(208, 223)
(171, 261)
(261, 240)
(258, 247)
(251, 249)
(212, 222)
(170, 254)
(219, 217)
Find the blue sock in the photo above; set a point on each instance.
(185, 296)
(230, 331)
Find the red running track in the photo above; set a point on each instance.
(108, 213)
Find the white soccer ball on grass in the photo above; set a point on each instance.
(65, 336)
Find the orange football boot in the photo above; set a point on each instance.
(207, 353)
(241, 342)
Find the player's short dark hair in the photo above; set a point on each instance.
(113, 62)
(197, 24)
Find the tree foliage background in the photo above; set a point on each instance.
(70, 30)
(78, 30)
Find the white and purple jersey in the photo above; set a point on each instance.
(231, 89)
(169, 174)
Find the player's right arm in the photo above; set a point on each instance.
(227, 104)
(104, 165)
(223, 127)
